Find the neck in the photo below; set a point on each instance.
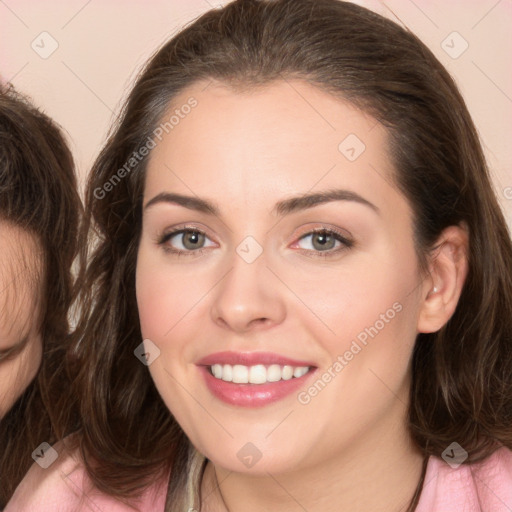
(378, 474)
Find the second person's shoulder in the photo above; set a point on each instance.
(58, 482)
(53, 482)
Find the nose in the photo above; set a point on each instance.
(249, 297)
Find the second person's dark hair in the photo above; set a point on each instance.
(38, 193)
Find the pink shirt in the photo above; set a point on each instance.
(484, 487)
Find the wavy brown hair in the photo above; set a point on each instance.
(38, 193)
(461, 375)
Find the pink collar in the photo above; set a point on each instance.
(481, 487)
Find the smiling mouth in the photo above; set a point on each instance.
(257, 374)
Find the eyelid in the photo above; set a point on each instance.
(346, 241)
(4, 354)
(321, 227)
(188, 227)
(170, 232)
(14, 350)
(7, 354)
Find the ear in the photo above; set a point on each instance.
(448, 268)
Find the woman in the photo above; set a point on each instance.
(39, 211)
(300, 296)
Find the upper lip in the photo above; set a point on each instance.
(250, 359)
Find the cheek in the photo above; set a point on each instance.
(33, 359)
(370, 312)
(164, 297)
(375, 328)
(17, 374)
(170, 310)
(367, 332)
(369, 292)
(161, 296)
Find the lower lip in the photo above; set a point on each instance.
(252, 395)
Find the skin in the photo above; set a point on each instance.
(348, 448)
(20, 339)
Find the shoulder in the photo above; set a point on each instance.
(47, 485)
(64, 486)
(485, 485)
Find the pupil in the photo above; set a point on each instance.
(322, 239)
(192, 238)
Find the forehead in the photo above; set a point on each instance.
(20, 281)
(281, 138)
(288, 126)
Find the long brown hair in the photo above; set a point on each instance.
(462, 375)
(38, 193)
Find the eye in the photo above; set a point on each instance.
(6, 354)
(12, 352)
(184, 241)
(323, 242)
(189, 241)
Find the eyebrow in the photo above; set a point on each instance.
(281, 208)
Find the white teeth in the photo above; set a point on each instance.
(240, 374)
(300, 371)
(287, 373)
(258, 374)
(217, 371)
(227, 373)
(273, 373)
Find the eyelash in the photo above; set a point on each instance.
(4, 355)
(346, 243)
(10, 353)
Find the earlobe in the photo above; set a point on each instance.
(442, 288)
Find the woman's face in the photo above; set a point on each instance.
(20, 340)
(254, 291)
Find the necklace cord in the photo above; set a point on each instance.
(412, 505)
